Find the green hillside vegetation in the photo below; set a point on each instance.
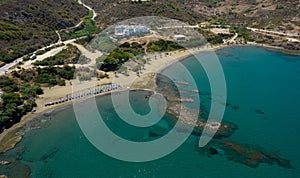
(247, 12)
(70, 55)
(242, 32)
(115, 59)
(28, 25)
(163, 45)
(18, 99)
(47, 76)
(7, 84)
(281, 15)
(214, 38)
(114, 11)
(87, 28)
(23, 87)
(127, 51)
(52, 76)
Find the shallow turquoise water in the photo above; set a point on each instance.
(264, 93)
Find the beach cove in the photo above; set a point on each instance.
(249, 106)
(9, 138)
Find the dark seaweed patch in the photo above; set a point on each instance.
(224, 54)
(235, 108)
(259, 111)
(50, 154)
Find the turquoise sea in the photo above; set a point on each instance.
(263, 101)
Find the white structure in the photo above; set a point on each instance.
(33, 57)
(122, 31)
(179, 37)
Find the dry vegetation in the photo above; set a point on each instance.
(29, 24)
(276, 15)
(255, 13)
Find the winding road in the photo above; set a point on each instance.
(89, 8)
(7, 68)
(274, 32)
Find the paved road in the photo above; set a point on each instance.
(52, 52)
(6, 68)
(180, 26)
(233, 38)
(84, 52)
(89, 8)
(274, 32)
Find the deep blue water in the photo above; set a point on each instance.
(263, 89)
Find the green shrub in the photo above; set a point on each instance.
(7, 84)
(279, 6)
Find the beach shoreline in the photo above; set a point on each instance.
(269, 47)
(10, 137)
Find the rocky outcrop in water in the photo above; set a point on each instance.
(246, 154)
(249, 155)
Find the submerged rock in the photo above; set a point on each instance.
(185, 114)
(259, 111)
(51, 153)
(4, 162)
(15, 169)
(213, 151)
(249, 155)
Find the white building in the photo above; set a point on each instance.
(122, 31)
(179, 37)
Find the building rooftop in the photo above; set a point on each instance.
(179, 37)
(130, 30)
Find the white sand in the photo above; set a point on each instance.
(51, 94)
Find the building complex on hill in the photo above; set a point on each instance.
(123, 31)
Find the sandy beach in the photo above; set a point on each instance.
(157, 62)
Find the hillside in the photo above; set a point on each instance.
(26, 25)
(255, 13)
(29, 24)
(276, 15)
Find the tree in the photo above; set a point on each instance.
(38, 90)
(9, 99)
(7, 84)
(52, 82)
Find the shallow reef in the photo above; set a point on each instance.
(249, 155)
(14, 168)
(246, 154)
